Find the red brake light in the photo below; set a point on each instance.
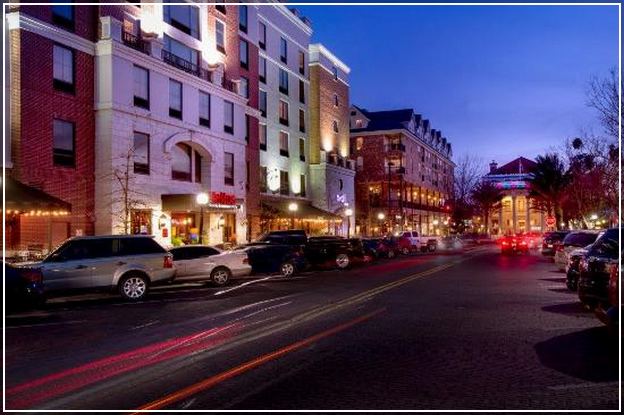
(505, 243)
(168, 262)
(246, 260)
(32, 275)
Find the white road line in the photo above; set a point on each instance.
(58, 323)
(141, 326)
(243, 285)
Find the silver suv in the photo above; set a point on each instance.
(129, 264)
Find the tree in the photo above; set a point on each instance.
(486, 196)
(603, 96)
(467, 174)
(549, 184)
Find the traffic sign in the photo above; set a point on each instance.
(551, 221)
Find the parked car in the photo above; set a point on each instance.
(534, 239)
(329, 251)
(572, 241)
(201, 263)
(128, 263)
(411, 241)
(572, 269)
(514, 244)
(271, 258)
(371, 247)
(595, 269)
(390, 246)
(609, 311)
(550, 239)
(24, 287)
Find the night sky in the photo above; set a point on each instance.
(499, 81)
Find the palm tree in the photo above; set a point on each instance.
(549, 184)
(486, 196)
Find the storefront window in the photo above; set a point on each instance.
(141, 222)
(183, 229)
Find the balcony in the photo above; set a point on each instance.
(337, 160)
(134, 41)
(395, 147)
(186, 66)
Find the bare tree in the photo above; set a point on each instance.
(468, 174)
(603, 96)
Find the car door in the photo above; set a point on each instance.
(69, 267)
(198, 264)
(180, 259)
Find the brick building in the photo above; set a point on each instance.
(404, 172)
(332, 172)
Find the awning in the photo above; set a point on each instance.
(23, 198)
(188, 202)
(305, 210)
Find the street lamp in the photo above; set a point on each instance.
(348, 213)
(293, 208)
(381, 216)
(593, 216)
(202, 200)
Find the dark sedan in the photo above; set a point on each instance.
(267, 258)
(595, 269)
(24, 287)
(550, 240)
(572, 270)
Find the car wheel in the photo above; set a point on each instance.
(405, 250)
(343, 261)
(432, 248)
(133, 286)
(220, 276)
(391, 254)
(287, 269)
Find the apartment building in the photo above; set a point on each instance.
(404, 172)
(332, 172)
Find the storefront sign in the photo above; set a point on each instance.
(512, 184)
(222, 199)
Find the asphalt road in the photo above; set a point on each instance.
(465, 331)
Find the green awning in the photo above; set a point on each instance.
(305, 209)
(24, 198)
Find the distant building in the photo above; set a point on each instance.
(404, 172)
(515, 214)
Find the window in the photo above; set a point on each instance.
(63, 15)
(141, 87)
(262, 35)
(183, 57)
(301, 92)
(302, 185)
(335, 100)
(63, 152)
(228, 117)
(301, 63)
(141, 153)
(198, 167)
(204, 109)
(262, 103)
(302, 121)
(221, 8)
(262, 69)
(262, 133)
(284, 187)
(242, 18)
(283, 142)
(220, 35)
(247, 175)
(228, 163)
(175, 99)
(283, 112)
(283, 81)
(358, 123)
(302, 149)
(63, 69)
(247, 127)
(181, 162)
(263, 179)
(359, 142)
(335, 126)
(244, 53)
(183, 18)
(283, 50)
(244, 87)
(335, 72)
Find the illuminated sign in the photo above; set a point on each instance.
(222, 199)
(512, 184)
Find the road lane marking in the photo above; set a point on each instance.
(57, 323)
(251, 364)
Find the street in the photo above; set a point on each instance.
(474, 330)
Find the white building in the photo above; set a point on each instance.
(169, 127)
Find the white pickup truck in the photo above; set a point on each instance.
(418, 242)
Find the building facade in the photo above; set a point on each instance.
(332, 172)
(404, 172)
(515, 214)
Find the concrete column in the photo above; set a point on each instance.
(513, 213)
(528, 214)
(500, 220)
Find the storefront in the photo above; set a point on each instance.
(283, 214)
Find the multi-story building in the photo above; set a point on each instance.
(129, 112)
(404, 172)
(332, 172)
(515, 214)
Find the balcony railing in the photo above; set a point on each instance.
(395, 147)
(186, 66)
(134, 41)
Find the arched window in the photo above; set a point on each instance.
(181, 162)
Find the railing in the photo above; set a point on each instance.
(186, 66)
(395, 147)
(134, 41)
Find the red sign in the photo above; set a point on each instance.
(551, 221)
(221, 198)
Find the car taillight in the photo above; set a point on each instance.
(246, 260)
(523, 242)
(505, 243)
(168, 261)
(33, 275)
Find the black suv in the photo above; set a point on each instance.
(595, 268)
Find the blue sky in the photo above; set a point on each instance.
(499, 81)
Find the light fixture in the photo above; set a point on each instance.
(202, 198)
(593, 216)
(293, 207)
(348, 212)
(381, 216)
